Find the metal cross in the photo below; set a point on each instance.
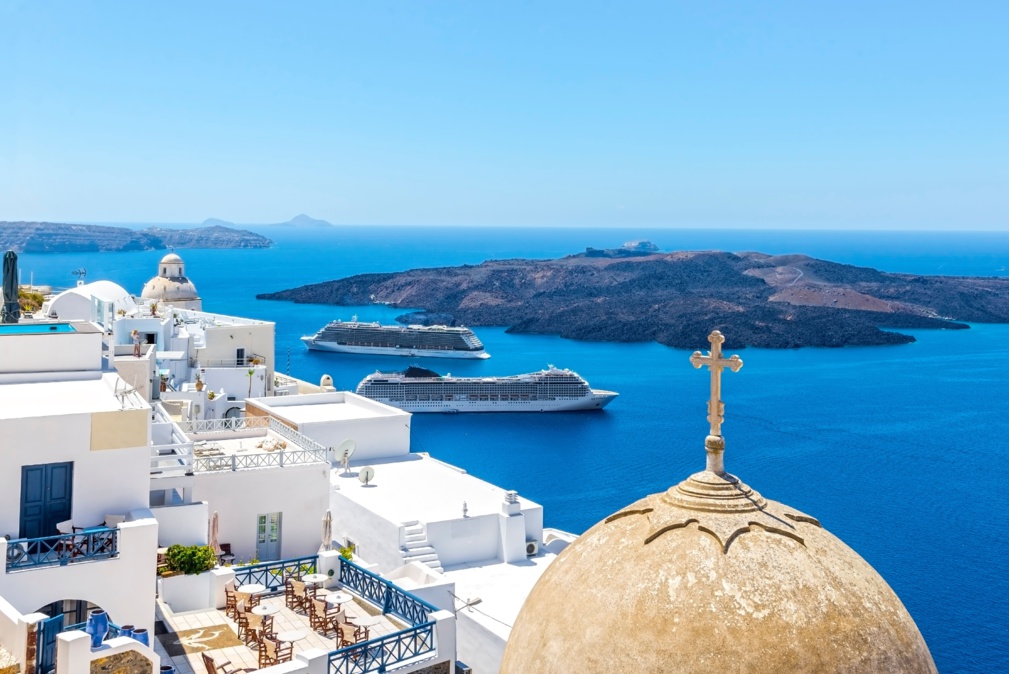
(714, 360)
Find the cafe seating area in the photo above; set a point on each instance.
(273, 627)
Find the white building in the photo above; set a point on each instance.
(74, 484)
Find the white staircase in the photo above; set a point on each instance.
(414, 546)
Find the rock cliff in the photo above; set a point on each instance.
(678, 298)
(53, 237)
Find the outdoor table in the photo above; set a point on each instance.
(315, 578)
(291, 635)
(367, 620)
(252, 588)
(338, 598)
(264, 609)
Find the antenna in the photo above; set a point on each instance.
(366, 475)
(343, 453)
(80, 273)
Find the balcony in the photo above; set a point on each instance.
(84, 546)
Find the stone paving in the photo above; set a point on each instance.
(243, 657)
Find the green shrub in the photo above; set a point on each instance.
(347, 552)
(190, 560)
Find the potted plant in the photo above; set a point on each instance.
(154, 308)
(199, 382)
(164, 383)
(211, 395)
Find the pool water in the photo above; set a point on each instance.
(35, 328)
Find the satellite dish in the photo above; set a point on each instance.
(366, 475)
(343, 453)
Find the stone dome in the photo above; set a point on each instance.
(171, 284)
(711, 576)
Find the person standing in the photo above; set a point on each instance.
(136, 343)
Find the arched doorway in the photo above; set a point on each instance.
(64, 615)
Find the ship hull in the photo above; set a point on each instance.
(596, 401)
(333, 347)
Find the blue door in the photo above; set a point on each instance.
(46, 498)
(46, 658)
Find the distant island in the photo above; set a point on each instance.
(54, 237)
(633, 294)
(297, 222)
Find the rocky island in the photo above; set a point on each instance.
(771, 301)
(55, 237)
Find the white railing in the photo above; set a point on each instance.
(235, 362)
(171, 460)
(278, 459)
(226, 425)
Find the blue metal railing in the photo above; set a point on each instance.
(377, 654)
(273, 575)
(87, 545)
(385, 595)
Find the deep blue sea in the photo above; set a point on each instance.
(899, 450)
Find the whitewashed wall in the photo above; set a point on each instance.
(377, 538)
(479, 647)
(182, 524)
(123, 586)
(301, 493)
(56, 352)
(466, 540)
(106, 482)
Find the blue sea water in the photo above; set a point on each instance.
(900, 450)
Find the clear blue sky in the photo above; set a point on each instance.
(689, 114)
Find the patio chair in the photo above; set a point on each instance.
(230, 602)
(300, 600)
(253, 628)
(349, 634)
(324, 617)
(220, 667)
(290, 596)
(241, 619)
(273, 652)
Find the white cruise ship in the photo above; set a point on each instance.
(420, 390)
(436, 341)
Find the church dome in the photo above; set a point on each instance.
(711, 576)
(171, 284)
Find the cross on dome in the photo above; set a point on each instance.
(714, 443)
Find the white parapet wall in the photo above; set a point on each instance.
(123, 585)
(74, 655)
(182, 524)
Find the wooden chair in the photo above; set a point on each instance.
(230, 602)
(273, 652)
(349, 634)
(250, 600)
(300, 601)
(241, 618)
(222, 667)
(324, 617)
(290, 595)
(253, 628)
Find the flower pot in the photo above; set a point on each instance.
(97, 626)
(140, 634)
(126, 631)
(167, 669)
(199, 385)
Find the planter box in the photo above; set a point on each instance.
(186, 593)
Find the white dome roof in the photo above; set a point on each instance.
(171, 258)
(169, 289)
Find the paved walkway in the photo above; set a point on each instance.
(241, 656)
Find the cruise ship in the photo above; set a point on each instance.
(436, 341)
(421, 390)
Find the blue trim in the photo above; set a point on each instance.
(87, 545)
(385, 595)
(377, 654)
(273, 575)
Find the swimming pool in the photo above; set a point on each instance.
(35, 328)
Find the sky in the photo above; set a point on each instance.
(860, 115)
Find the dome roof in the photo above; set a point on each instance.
(164, 288)
(171, 258)
(712, 576)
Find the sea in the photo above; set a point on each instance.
(901, 451)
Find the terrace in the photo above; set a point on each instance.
(397, 628)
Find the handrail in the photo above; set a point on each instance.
(376, 655)
(273, 575)
(279, 459)
(226, 425)
(234, 362)
(95, 543)
(388, 596)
